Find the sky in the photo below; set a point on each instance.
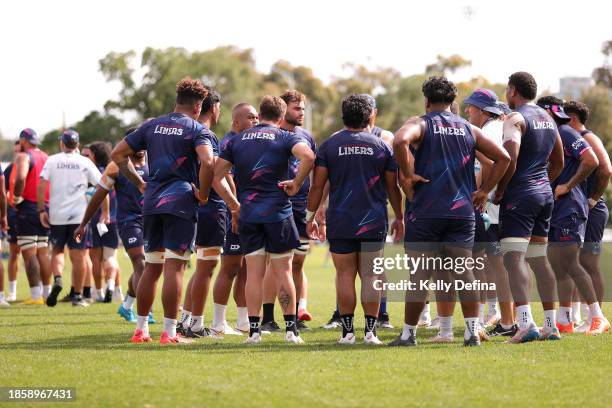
(50, 50)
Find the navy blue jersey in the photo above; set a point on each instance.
(214, 200)
(575, 202)
(226, 138)
(445, 157)
(260, 156)
(112, 196)
(531, 175)
(298, 201)
(129, 198)
(170, 142)
(356, 163)
(591, 181)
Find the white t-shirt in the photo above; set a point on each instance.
(494, 129)
(69, 175)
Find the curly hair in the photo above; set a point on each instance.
(580, 109)
(291, 95)
(439, 89)
(190, 92)
(525, 84)
(356, 111)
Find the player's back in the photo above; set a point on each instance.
(129, 197)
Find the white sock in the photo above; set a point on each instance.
(197, 323)
(110, 285)
(128, 302)
(302, 303)
(524, 317)
(446, 325)
(142, 323)
(243, 317)
(550, 320)
(576, 312)
(584, 310)
(425, 315)
(46, 290)
(185, 318)
(408, 331)
(218, 315)
(594, 310)
(36, 292)
(170, 326)
(565, 315)
(471, 327)
(100, 293)
(492, 307)
(506, 326)
(12, 288)
(481, 313)
(1, 296)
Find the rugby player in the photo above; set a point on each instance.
(3, 229)
(11, 234)
(260, 156)
(174, 142)
(361, 172)
(439, 182)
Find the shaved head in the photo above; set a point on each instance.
(244, 116)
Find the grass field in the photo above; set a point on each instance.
(89, 349)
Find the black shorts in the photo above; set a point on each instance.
(348, 246)
(131, 233)
(232, 244)
(167, 231)
(494, 247)
(12, 227)
(27, 221)
(596, 224)
(211, 227)
(430, 234)
(109, 240)
(567, 231)
(274, 237)
(62, 235)
(481, 240)
(524, 217)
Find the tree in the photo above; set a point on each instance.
(445, 65)
(603, 75)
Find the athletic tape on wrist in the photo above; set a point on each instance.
(310, 215)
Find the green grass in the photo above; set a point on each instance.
(89, 349)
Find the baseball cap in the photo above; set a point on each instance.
(69, 136)
(486, 100)
(557, 110)
(30, 135)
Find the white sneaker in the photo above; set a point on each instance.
(231, 332)
(446, 338)
(290, 337)
(424, 321)
(371, 339)
(12, 297)
(435, 324)
(4, 303)
(226, 329)
(349, 339)
(244, 329)
(491, 320)
(117, 295)
(583, 328)
(254, 339)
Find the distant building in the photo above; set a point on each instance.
(573, 87)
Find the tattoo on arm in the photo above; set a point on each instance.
(127, 169)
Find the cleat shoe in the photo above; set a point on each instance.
(231, 332)
(32, 302)
(383, 321)
(492, 320)
(127, 314)
(349, 339)
(599, 325)
(166, 339)
(254, 339)
(399, 342)
(89, 300)
(371, 339)
(291, 337)
(446, 338)
(4, 303)
(117, 294)
(301, 325)
(151, 318)
(79, 302)
(435, 324)
(565, 328)
(12, 297)
(180, 330)
(108, 297)
(525, 336)
(472, 341)
(482, 334)
(424, 323)
(67, 298)
(100, 299)
(304, 314)
(583, 328)
(190, 334)
(499, 330)
(139, 337)
(55, 291)
(334, 322)
(241, 330)
(550, 335)
(269, 327)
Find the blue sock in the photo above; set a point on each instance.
(383, 305)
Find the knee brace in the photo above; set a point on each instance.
(514, 244)
(27, 241)
(156, 257)
(303, 248)
(169, 254)
(281, 255)
(209, 253)
(260, 251)
(536, 250)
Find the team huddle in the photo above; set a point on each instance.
(518, 185)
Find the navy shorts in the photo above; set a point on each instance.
(275, 237)
(27, 221)
(429, 234)
(62, 235)
(12, 227)
(525, 217)
(481, 240)
(494, 247)
(348, 246)
(596, 223)
(569, 230)
(167, 231)
(300, 222)
(232, 244)
(131, 234)
(109, 240)
(212, 223)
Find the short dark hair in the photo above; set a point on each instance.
(356, 111)
(291, 95)
(438, 89)
(71, 144)
(210, 100)
(525, 84)
(272, 108)
(190, 92)
(101, 152)
(549, 100)
(580, 109)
